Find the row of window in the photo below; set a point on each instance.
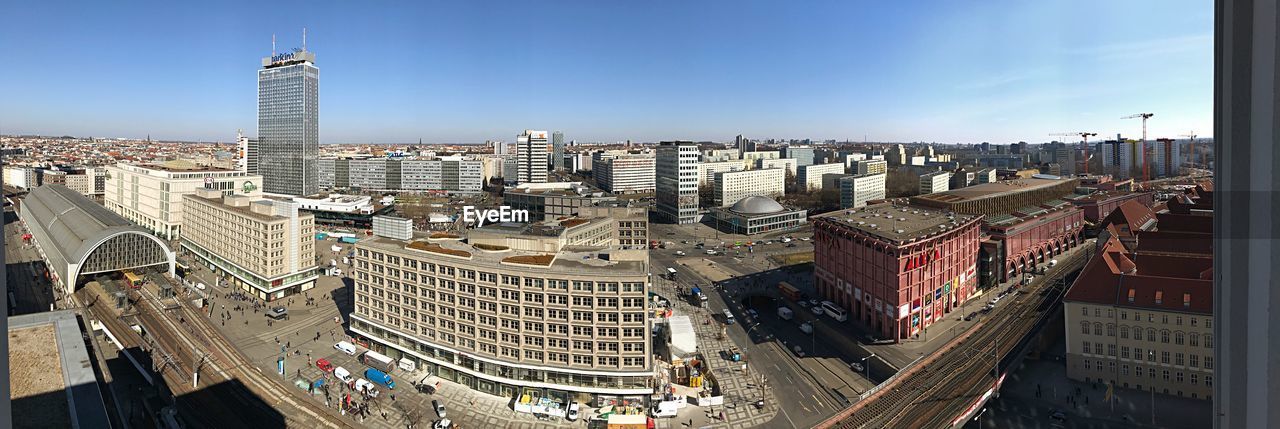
(1137, 354)
(1165, 374)
(1163, 335)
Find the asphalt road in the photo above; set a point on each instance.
(810, 382)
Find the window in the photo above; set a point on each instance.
(1177, 359)
(1177, 338)
(1151, 372)
(1097, 328)
(1086, 348)
(1124, 315)
(1084, 311)
(1097, 312)
(1177, 320)
(1164, 357)
(1208, 379)
(1086, 364)
(1160, 300)
(1208, 362)
(1208, 340)
(1111, 330)
(1164, 336)
(1178, 377)
(1111, 349)
(1137, 333)
(1124, 332)
(1193, 322)
(1193, 361)
(1164, 374)
(1195, 338)
(1124, 352)
(1084, 327)
(1124, 370)
(1195, 379)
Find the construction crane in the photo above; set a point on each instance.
(1192, 135)
(1146, 173)
(1084, 135)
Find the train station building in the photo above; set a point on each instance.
(78, 237)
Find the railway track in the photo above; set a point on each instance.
(937, 390)
(231, 392)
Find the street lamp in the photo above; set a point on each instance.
(978, 417)
(866, 366)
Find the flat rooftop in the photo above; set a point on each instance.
(245, 210)
(988, 190)
(575, 261)
(183, 167)
(51, 379)
(900, 223)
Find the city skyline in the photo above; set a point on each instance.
(996, 72)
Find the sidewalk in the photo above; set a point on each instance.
(1132, 408)
(736, 385)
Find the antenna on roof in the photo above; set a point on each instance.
(304, 38)
(273, 45)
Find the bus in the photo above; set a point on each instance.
(728, 317)
(834, 311)
(133, 280)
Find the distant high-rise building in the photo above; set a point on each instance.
(677, 182)
(499, 148)
(289, 122)
(557, 151)
(802, 154)
(531, 157)
(247, 159)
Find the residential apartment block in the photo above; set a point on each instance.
(627, 174)
(731, 186)
(857, 190)
(809, 177)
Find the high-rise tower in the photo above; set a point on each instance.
(531, 157)
(557, 151)
(289, 121)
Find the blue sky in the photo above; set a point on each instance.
(997, 71)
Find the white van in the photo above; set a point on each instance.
(345, 347)
(342, 374)
(408, 365)
(834, 311)
(664, 409)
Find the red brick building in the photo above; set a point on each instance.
(1032, 235)
(1098, 205)
(896, 269)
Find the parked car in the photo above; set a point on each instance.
(442, 424)
(970, 316)
(806, 327)
(572, 414)
(439, 407)
(814, 302)
(798, 351)
(855, 366)
(803, 303)
(324, 365)
(816, 310)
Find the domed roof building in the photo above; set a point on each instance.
(756, 205)
(756, 215)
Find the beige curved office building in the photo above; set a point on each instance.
(554, 306)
